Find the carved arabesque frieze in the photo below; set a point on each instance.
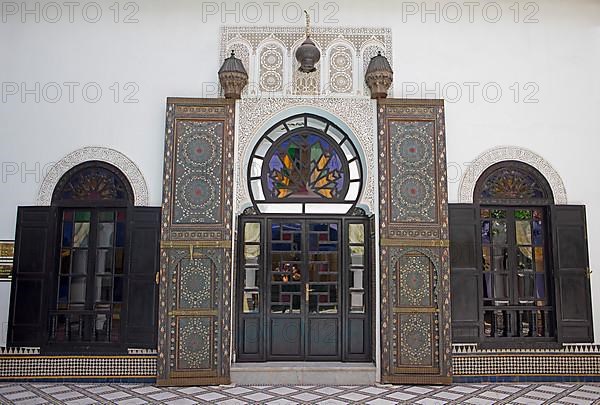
(348, 52)
(357, 113)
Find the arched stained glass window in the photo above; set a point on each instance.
(512, 182)
(93, 182)
(305, 164)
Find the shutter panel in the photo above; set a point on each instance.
(143, 264)
(34, 264)
(571, 274)
(465, 274)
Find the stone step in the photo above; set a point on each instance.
(303, 373)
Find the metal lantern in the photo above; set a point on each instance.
(308, 54)
(233, 77)
(379, 76)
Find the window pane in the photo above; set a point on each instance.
(523, 230)
(105, 234)
(487, 261)
(540, 286)
(525, 285)
(79, 262)
(65, 261)
(522, 215)
(501, 287)
(120, 237)
(538, 238)
(77, 290)
(500, 258)
(487, 285)
(63, 290)
(500, 214)
(539, 259)
(106, 216)
(251, 303)
(119, 260)
(118, 291)
(82, 233)
(101, 328)
(524, 258)
(103, 289)
(252, 232)
(83, 216)
(356, 233)
(499, 232)
(357, 254)
(67, 238)
(486, 237)
(104, 261)
(485, 213)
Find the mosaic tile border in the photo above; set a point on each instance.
(34, 367)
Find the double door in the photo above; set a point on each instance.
(303, 289)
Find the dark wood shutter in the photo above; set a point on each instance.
(571, 274)
(465, 274)
(143, 266)
(34, 264)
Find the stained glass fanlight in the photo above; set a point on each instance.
(305, 164)
(512, 181)
(91, 182)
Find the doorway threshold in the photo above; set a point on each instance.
(303, 373)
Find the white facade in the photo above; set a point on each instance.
(520, 74)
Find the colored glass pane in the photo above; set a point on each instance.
(305, 166)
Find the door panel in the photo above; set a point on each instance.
(286, 337)
(314, 280)
(323, 338)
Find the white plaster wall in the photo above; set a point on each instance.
(172, 51)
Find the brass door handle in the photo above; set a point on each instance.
(588, 272)
(307, 290)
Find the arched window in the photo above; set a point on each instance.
(77, 261)
(524, 258)
(304, 164)
(517, 298)
(93, 182)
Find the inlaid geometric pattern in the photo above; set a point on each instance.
(198, 163)
(413, 230)
(412, 173)
(476, 394)
(195, 284)
(415, 285)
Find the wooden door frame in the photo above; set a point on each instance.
(343, 282)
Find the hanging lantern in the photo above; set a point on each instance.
(233, 77)
(379, 76)
(308, 54)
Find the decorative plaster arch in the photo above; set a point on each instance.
(111, 156)
(503, 153)
(355, 116)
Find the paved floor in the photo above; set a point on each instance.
(79, 394)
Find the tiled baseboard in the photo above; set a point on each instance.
(571, 363)
(78, 368)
